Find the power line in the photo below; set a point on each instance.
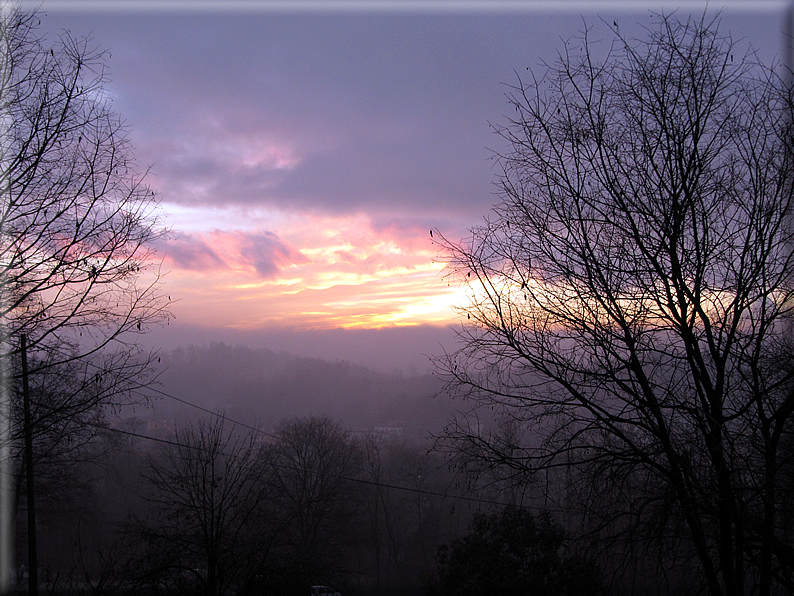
(304, 470)
(144, 388)
(213, 413)
(272, 436)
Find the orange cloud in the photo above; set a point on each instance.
(317, 272)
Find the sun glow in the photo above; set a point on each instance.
(311, 272)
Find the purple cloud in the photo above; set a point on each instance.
(191, 252)
(268, 253)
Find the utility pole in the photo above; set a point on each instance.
(6, 474)
(788, 44)
(33, 579)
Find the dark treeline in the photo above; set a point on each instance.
(175, 499)
(210, 507)
(329, 478)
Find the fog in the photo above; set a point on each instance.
(323, 472)
(265, 386)
(389, 349)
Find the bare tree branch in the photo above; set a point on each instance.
(631, 294)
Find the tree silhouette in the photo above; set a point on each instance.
(314, 460)
(512, 552)
(631, 294)
(78, 279)
(77, 221)
(210, 488)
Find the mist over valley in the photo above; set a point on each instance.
(258, 385)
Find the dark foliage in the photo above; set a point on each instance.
(510, 553)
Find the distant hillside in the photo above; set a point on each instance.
(387, 349)
(266, 386)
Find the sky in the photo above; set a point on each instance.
(303, 151)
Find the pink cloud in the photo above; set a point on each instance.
(261, 253)
(316, 271)
(369, 263)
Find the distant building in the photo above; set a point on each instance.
(394, 431)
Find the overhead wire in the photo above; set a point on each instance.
(258, 430)
(144, 388)
(421, 491)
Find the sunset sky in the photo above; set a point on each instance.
(303, 154)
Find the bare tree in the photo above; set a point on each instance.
(382, 511)
(77, 222)
(631, 295)
(209, 487)
(314, 461)
(78, 278)
(403, 526)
